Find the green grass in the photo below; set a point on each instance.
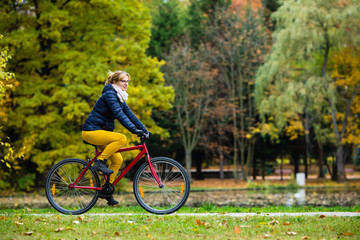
(19, 224)
(205, 208)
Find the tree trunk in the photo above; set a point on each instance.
(334, 169)
(340, 163)
(263, 168)
(188, 161)
(296, 163)
(221, 158)
(307, 142)
(235, 159)
(249, 158)
(329, 169)
(321, 161)
(254, 169)
(243, 172)
(281, 168)
(199, 175)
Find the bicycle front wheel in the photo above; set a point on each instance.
(69, 200)
(172, 196)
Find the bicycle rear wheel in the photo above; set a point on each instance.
(167, 199)
(71, 200)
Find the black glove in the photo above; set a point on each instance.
(147, 134)
(138, 132)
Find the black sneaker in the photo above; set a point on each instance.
(111, 201)
(101, 166)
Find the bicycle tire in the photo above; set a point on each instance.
(164, 200)
(64, 199)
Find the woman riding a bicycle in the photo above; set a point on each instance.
(99, 126)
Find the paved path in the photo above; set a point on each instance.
(327, 214)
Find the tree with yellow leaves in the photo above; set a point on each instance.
(62, 52)
(296, 81)
(345, 66)
(6, 83)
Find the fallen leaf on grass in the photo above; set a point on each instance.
(291, 233)
(305, 237)
(201, 223)
(237, 230)
(348, 233)
(286, 223)
(93, 233)
(117, 234)
(273, 222)
(57, 216)
(267, 235)
(81, 218)
(63, 229)
(76, 222)
(321, 216)
(18, 223)
(28, 233)
(3, 217)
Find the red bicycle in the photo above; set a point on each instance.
(161, 185)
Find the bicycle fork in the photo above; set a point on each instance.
(161, 185)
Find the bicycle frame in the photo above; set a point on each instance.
(143, 151)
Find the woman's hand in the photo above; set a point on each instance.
(147, 134)
(140, 133)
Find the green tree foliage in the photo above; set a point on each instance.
(152, 5)
(167, 26)
(294, 83)
(62, 52)
(200, 14)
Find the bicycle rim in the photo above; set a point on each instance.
(71, 200)
(164, 200)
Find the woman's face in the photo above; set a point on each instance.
(124, 83)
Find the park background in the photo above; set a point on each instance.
(234, 90)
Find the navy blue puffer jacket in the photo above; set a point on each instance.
(108, 108)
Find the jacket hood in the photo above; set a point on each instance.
(108, 87)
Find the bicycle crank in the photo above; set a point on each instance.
(107, 190)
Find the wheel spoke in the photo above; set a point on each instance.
(171, 196)
(71, 200)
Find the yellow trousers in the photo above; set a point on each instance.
(108, 143)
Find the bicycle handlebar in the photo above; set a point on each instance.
(142, 139)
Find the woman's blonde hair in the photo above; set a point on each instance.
(114, 77)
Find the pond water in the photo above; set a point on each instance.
(283, 197)
(243, 198)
